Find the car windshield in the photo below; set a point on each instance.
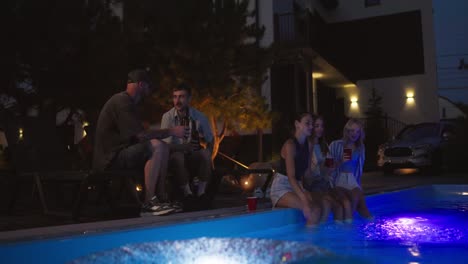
(412, 133)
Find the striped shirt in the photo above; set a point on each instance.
(336, 151)
(171, 119)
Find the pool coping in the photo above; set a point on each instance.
(120, 224)
(68, 230)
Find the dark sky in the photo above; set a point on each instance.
(451, 28)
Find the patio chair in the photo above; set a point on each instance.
(37, 156)
(104, 181)
(19, 157)
(267, 168)
(33, 158)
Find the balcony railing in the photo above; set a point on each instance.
(294, 28)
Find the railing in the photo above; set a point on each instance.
(285, 27)
(378, 131)
(391, 126)
(293, 28)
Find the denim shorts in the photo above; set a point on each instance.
(346, 180)
(279, 187)
(133, 156)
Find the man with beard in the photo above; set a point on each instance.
(189, 158)
(123, 143)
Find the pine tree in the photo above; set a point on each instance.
(375, 129)
(374, 109)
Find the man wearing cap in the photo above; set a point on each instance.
(189, 159)
(122, 143)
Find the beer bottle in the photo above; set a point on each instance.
(195, 137)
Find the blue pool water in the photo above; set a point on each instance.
(422, 235)
(420, 225)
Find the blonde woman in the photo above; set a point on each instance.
(349, 155)
(287, 189)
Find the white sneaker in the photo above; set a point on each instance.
(157, 209)
(154, 207)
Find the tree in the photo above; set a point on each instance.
(71, 52)
(375, 129)
(76, 53)
(374, 109)
(210, 45)
(243, 110)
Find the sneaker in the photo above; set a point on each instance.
(154, 207)
(157, 209)
(177, 206)
(148, 205)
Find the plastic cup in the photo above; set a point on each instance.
(252, 203)
(347, 153)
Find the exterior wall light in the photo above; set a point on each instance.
(410, 97)
(354, 102)
(20, 134)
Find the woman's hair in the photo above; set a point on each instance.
(296, 117)
(322, 141)
(347, 127)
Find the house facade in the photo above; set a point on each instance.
(332, 54)
(449, 109)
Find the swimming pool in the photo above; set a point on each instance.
(418, 225)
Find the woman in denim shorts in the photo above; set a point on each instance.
(287, 189)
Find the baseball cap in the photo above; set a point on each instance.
(139, 75)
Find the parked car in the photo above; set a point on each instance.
(417, 146)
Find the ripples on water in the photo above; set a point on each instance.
(391, 237)
(210, 250)
(445, 223)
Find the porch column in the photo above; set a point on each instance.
(308, 77)
(314, 94)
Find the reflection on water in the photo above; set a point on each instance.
(437, 226)
(210, 251)
(418, 236)
(421, 235)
